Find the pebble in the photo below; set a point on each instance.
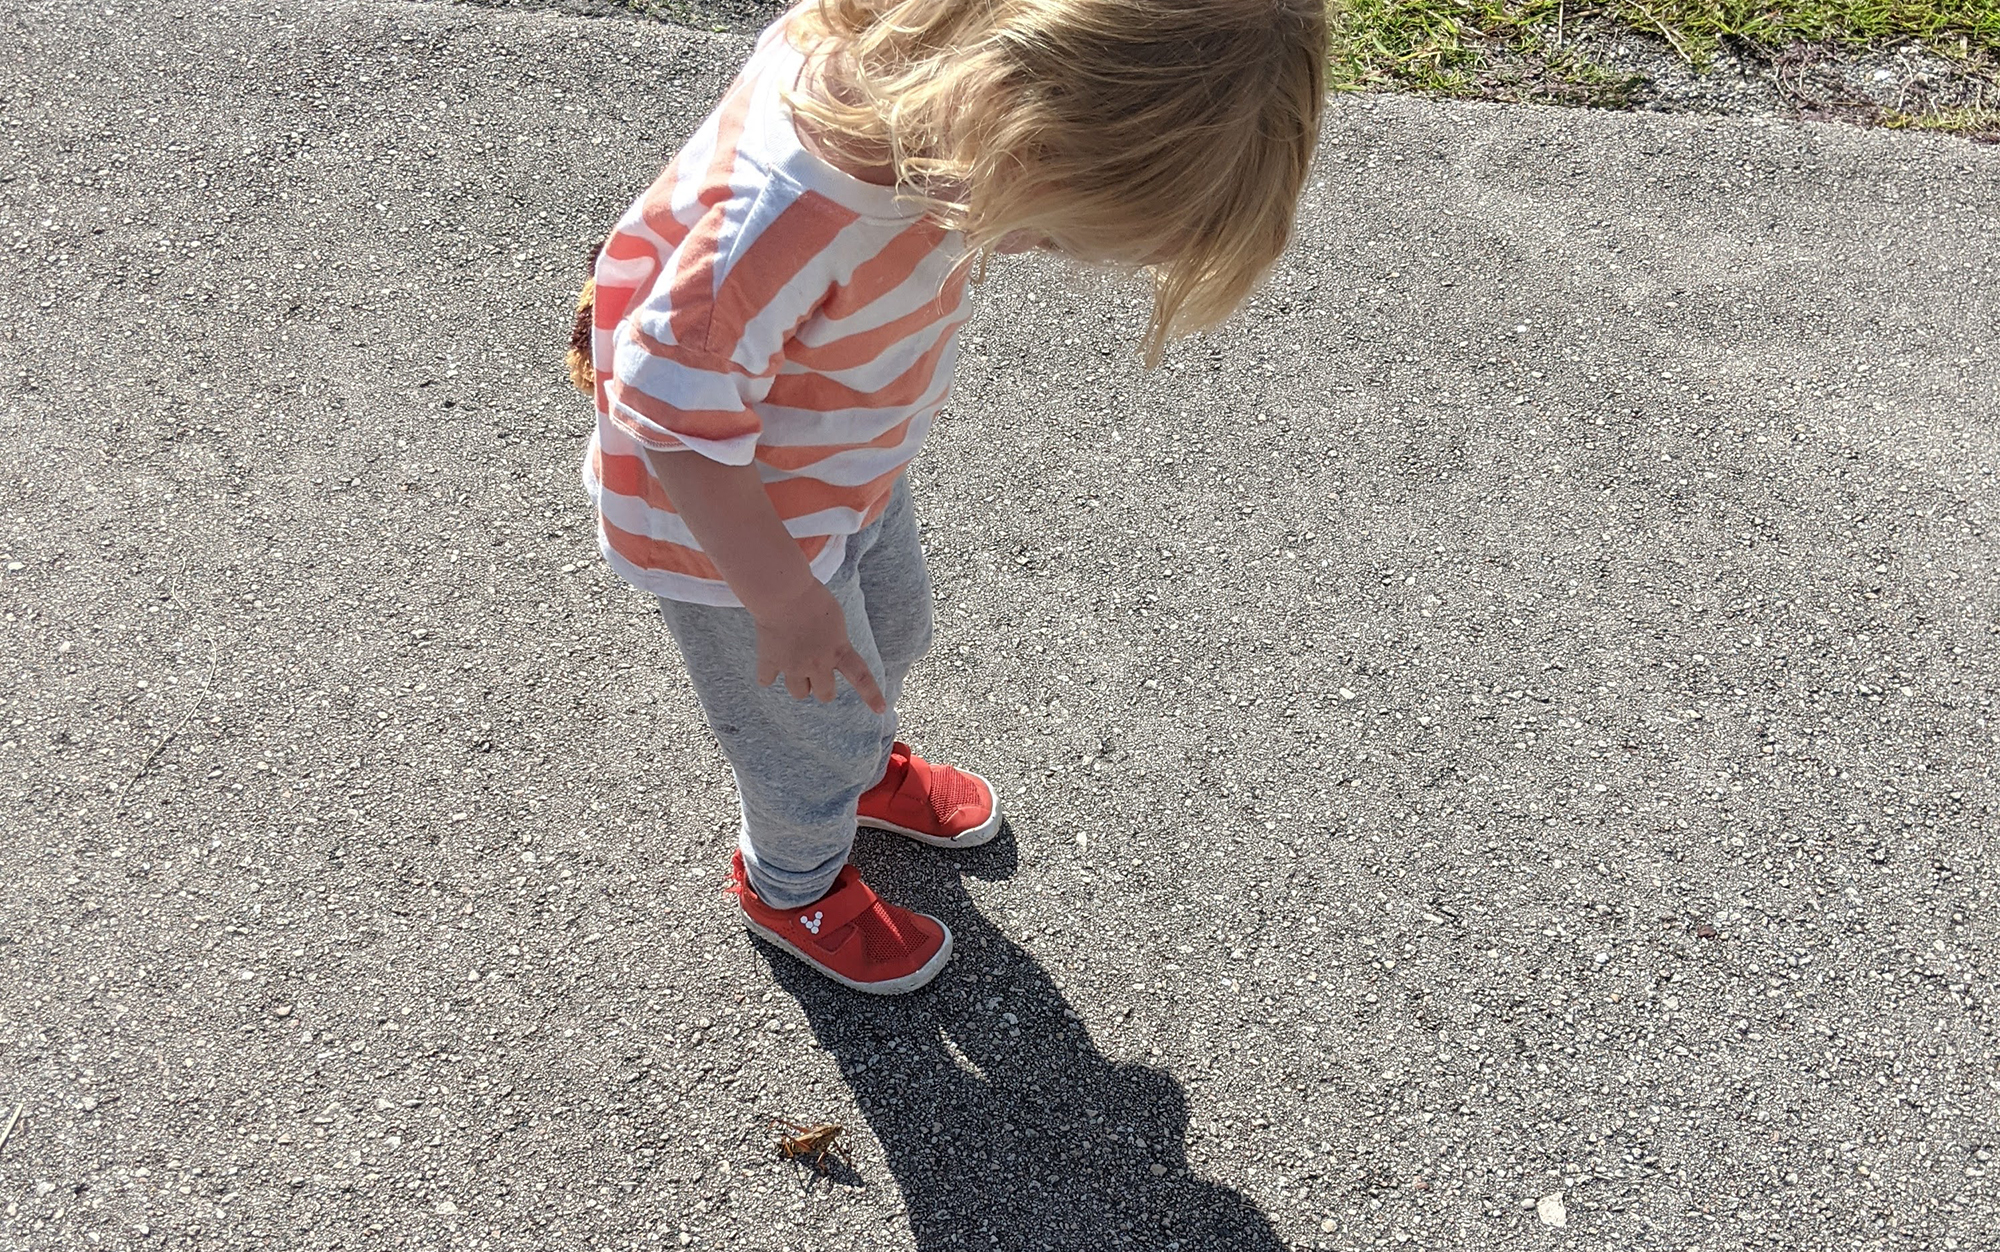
(1550, 1209)
(283, 1010)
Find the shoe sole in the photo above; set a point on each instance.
(969, 839)
(889, 987)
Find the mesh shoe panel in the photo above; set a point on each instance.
(888, 933)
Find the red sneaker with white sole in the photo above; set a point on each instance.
(934, 804)
(851, 935)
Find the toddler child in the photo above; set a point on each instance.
(771, 330)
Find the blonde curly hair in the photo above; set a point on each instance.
(1170, 136)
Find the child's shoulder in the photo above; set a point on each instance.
(751, 138)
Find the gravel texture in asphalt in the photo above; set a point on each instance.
(1499, 741)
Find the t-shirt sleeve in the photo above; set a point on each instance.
(692, 361)
(672, 397)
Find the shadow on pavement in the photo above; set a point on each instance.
(1015, 1136)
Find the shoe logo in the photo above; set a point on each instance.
(811, 923)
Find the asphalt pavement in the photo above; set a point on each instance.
(1499, 741)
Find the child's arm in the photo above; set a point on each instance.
(801, 630)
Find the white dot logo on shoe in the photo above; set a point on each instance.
(811, 923)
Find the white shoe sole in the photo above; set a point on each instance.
(970, 839)
(891, 987)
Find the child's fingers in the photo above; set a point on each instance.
(857, 673)
(767, 669)
(822, 682)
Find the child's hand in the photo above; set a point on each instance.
(807, 642)
(801, 632)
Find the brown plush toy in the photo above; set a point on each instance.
(580, 371)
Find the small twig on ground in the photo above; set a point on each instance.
(208, 684)
(1559, 22)
(8, 1132)
(1797, 59)
(194, 706)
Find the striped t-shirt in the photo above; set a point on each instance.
(757, 304)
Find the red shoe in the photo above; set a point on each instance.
(851, 935)
(934, 804)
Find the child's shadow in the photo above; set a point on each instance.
(1011, 1135)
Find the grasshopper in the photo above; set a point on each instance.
(812, 1144)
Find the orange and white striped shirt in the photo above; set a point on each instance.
(756, 304)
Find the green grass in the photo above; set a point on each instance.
(1543, 49)
(1984, 123)
(1559, 51)
(1940, 24)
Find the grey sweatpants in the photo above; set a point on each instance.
(800, 765)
